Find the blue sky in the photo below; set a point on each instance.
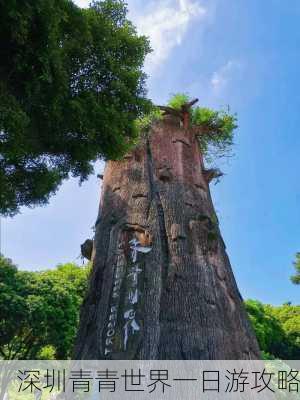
(225, 52)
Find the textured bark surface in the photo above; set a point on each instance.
(180, 300)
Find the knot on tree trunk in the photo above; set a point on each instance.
(180, 137)
(207, 230)
(210, 174)
(177, 232)
(87, 249)
(145, 238)
(164, 174)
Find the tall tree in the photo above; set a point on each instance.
(277, 329)
(162, 285)
(296, 278)
(71, 86)
(39, 311)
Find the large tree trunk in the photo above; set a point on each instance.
(179, 300)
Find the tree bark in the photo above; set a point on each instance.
(178, 300)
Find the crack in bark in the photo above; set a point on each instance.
(160, 214)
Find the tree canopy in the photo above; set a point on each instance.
(296, 278)
(39, 311)
(277, 329)
(71, 87)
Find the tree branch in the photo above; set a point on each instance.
(187, 106)
(170, 110)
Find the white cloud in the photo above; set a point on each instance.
(82, 3)
(221, 78)
(166, 24)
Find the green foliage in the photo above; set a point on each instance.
(71, 88)
(144, 123)
(46, 353)
(178, 100)
(216, 128)
(296, 278)
(289, 317)
(267, 356)
(216, 138)
(39, 311)
(268, 331)
(277, 329)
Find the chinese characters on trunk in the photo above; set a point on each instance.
(123, 322)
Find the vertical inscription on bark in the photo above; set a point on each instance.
(124, 319)
(120, 270)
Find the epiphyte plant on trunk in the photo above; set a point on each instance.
(214, 129)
